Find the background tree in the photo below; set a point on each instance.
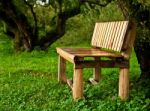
(29, 29)
(140, 11)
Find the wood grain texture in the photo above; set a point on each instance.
(122, 36)
(124, 83)
(102, 64)
(71, 54)
(78, 82)
(62, 70)
(97, 70)
(118, 36)
(109, 35)
(129, 40)
(65, 54)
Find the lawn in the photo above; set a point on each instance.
(28, 81)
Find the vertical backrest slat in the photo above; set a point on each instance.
(100, 30)
(94, 33)
(118, 36)
(129, 39)
(122, 36)
(105, 35)
(109, 35)
(102, 34)
(113, 36)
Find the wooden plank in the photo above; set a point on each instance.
(116, 35)
(104, 26)
(110, 35)
(107, 36)
(113, 36)
(131, 34)
(102, 64)
(62, 70)
(97, 70)
(106, 33)
(94, 34)
(102, 34)
(119, 36)
(124, 83)
(127, 39)
(74, 53)
(66, 55)
(78, 82)
(122, 36)
(99, 35)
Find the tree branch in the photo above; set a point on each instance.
(34, 17)
(124, 8)
(59, 31)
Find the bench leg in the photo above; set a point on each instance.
(124, 83)
(96, 73)
(62, 70)
(77, 84)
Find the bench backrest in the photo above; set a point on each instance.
(113, 35)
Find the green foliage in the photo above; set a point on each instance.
(143, 36)
(80, 28)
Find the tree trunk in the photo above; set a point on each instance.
(17, 41)
(144, 61)
(142, 42)
(142, 46)
(18, 24)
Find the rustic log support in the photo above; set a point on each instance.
(62, 70)
(124, 83)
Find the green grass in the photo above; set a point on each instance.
(28, 81)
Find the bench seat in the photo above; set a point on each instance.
(72, 54)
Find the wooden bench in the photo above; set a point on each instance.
(110, 39)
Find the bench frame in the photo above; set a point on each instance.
(120, 60)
